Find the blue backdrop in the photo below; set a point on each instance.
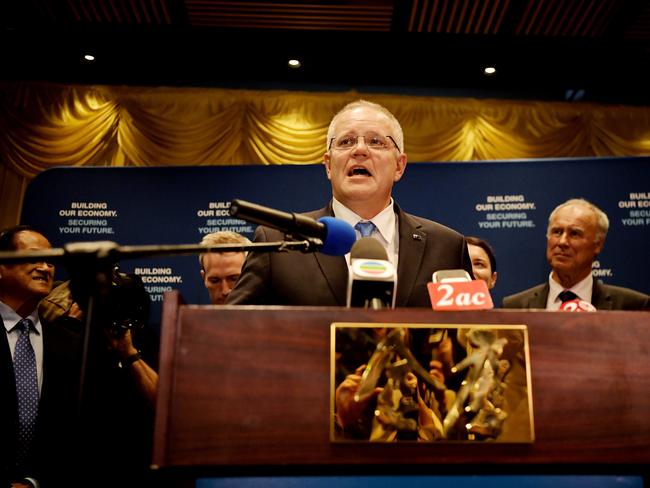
(507, 203)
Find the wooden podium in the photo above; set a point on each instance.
(244, 387)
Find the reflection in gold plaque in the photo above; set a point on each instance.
(430, 383)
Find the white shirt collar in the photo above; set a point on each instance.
(384, 220)
(584, 290)
(10, 318)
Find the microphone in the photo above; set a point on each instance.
(577, 305)
(337, 236)
(372, 281)
(450, 276)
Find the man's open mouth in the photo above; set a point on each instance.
(359, 171)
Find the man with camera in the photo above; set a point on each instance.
(129, 305)
(119, 394)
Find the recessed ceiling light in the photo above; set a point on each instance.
(294, 63)
(89, 57)
(490, 70)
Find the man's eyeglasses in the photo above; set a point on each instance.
(373, 141)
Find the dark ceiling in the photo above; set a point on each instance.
(590, 50)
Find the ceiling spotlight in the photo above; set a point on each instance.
(294, 63)
(89, 57)
(490, 70)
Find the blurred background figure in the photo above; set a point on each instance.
(484, 264)
(220, 270)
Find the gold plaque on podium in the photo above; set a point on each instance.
(430, 383)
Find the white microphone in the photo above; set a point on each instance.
(450, 276)
(372, 281)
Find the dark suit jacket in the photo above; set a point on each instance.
(604, 297)
(56, 431)
(295, 278)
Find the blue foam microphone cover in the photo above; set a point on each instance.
(339, 238)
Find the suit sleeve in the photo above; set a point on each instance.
(465, 260)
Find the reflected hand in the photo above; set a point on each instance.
(348, 410)
(411, 381)
(436, 371)
(445, 355)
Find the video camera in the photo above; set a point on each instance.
(125, 304)
(128, 302)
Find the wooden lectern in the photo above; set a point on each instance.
(244, 387)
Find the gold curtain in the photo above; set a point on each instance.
(44, 125)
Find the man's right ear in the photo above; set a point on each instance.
(326, 162)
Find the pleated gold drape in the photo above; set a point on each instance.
(43, 126)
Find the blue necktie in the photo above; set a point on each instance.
(365, 228)
(26, 390)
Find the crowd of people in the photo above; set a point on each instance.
(47, 413)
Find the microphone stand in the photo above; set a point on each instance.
(116, 252)
(91, 264)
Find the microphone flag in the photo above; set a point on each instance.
(577, 305)
(460, 295)
(372, 280)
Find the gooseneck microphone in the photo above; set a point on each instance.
(372, 281)
(336, 235)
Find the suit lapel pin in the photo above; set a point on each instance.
(417, 237)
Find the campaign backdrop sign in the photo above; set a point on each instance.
(506, 203)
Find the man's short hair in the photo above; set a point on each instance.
(7, 236)
(222, 237)
(398, 135)
(477, 241)
(602, 222)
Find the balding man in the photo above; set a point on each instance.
(576, 234)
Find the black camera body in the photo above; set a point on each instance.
(128, 302)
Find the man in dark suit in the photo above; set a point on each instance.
(363, 159)
(39, 372)
(576, 234)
